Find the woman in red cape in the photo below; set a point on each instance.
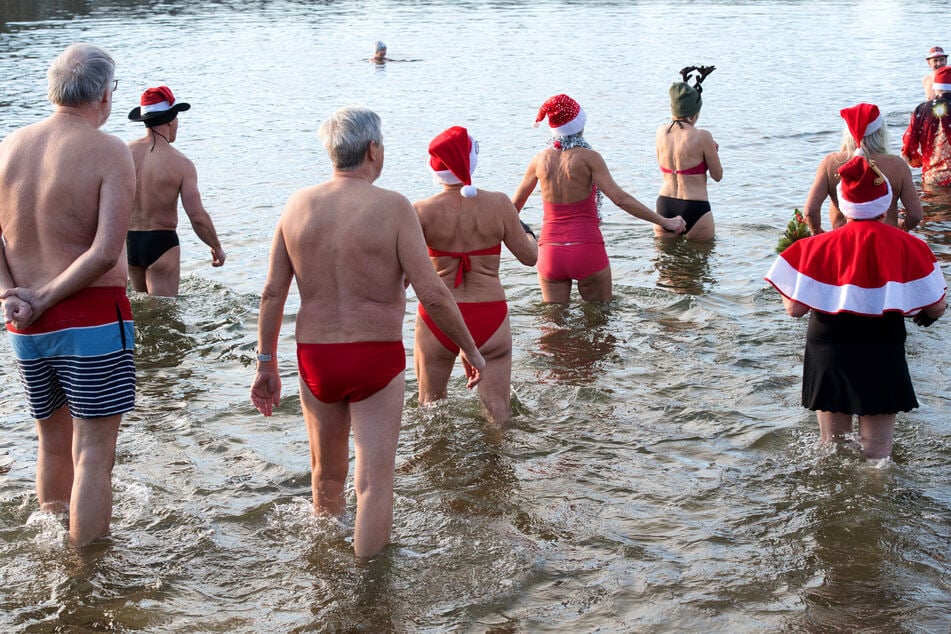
(858, 283)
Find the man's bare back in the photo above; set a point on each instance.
(163, 175)
(65, 194)
(160, 171)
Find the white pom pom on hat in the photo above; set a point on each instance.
(453, 156)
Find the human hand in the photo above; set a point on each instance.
(473, 366)
(17, 309)
(923, 319)
(218, 256)
(266, 390)
(675, 225)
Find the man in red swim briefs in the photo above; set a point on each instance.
(66, 193)
(351, 247)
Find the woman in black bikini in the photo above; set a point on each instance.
(685, 154)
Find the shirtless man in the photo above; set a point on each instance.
(865, 128)
(162, 175)
(65, 197)
(352, 247)
(936, 59)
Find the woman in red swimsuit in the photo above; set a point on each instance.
(685, 154)
(464, 228)
(572, 177)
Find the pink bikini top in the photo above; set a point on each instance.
(465, 264)
(700, 168)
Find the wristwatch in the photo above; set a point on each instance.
(264, 358)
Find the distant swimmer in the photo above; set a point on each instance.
(351, 247)
(858, 284)
(927, 141)
(464, 229)
(572, 178)
(163, 175)
(66, 193)
(379, 54)
(867, 134)
(685, 154)
(936, 59)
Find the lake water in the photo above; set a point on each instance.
(659, 475)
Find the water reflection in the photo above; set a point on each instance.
(576, 341)
(852, 546)
(683, 266)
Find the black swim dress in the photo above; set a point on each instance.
(855, 364)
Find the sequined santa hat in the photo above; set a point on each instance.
(565, 115)
(863, 191)
(157, 106)
(862, 120)
(453, 156)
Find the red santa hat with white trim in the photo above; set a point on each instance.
(942, 79)
(565, 115)
(863, 191)
(453, 156)
(157, 106)
(862, 119)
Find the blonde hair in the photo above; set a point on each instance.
(875, 143)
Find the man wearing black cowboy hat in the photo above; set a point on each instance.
(163, 174)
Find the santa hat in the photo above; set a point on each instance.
(936, 51)
(157, 107)
(453, 155)
(565, 115)
(864, 192)
(942, 79)
(862, 119)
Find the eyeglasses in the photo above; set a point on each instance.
(115, 84)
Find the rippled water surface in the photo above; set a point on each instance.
(659, 475)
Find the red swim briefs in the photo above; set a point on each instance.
(349, 371)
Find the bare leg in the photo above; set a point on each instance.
(495, 389)
(876, 434)
(94, 454)
(163, 275)
(555, 292)
(597, 287)
(433, 364)
(833, 426)
(703, 229)
(137, 277)
(328, 432)
(376, 429)
(54, 462)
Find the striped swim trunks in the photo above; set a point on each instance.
(79, 353)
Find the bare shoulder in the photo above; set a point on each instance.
(892, 162)
(393, 200)
(497, 200)
(110, 150)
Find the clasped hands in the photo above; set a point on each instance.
(17, 307)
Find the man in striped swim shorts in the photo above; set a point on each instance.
(66, 192)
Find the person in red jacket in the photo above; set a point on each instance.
(927, 141)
